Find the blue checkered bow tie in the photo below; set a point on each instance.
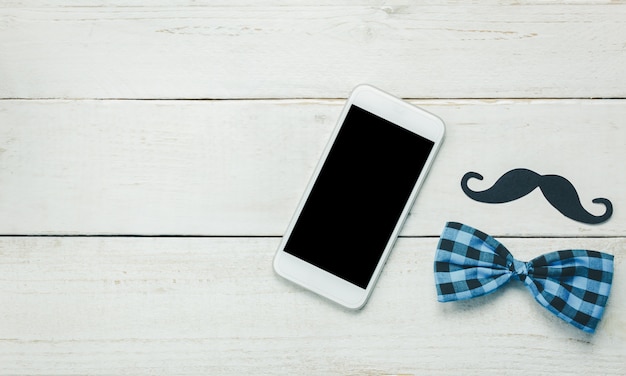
(572, 284)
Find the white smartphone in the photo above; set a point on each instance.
(361, 191)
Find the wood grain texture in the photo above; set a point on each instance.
(213, 306)
(240, 167)
(101, 49)
(102, 132)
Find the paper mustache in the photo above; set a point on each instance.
(519, 182)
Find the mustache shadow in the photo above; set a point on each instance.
(519, 182)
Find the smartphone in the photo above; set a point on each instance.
(359, 196)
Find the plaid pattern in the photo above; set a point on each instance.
(572, 284)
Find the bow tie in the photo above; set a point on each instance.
(572, 284)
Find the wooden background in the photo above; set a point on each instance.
(153, 152)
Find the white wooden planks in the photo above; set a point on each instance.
(76, 160)
(213, 306)
(239, 167)
(96, 49)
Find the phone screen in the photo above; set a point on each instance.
(358, 196)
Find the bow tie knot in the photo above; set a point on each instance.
(520, 269)
(572, 284)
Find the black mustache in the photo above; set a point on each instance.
(559, 192)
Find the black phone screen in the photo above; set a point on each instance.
(358, 196)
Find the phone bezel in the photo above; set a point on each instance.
(402, 114)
